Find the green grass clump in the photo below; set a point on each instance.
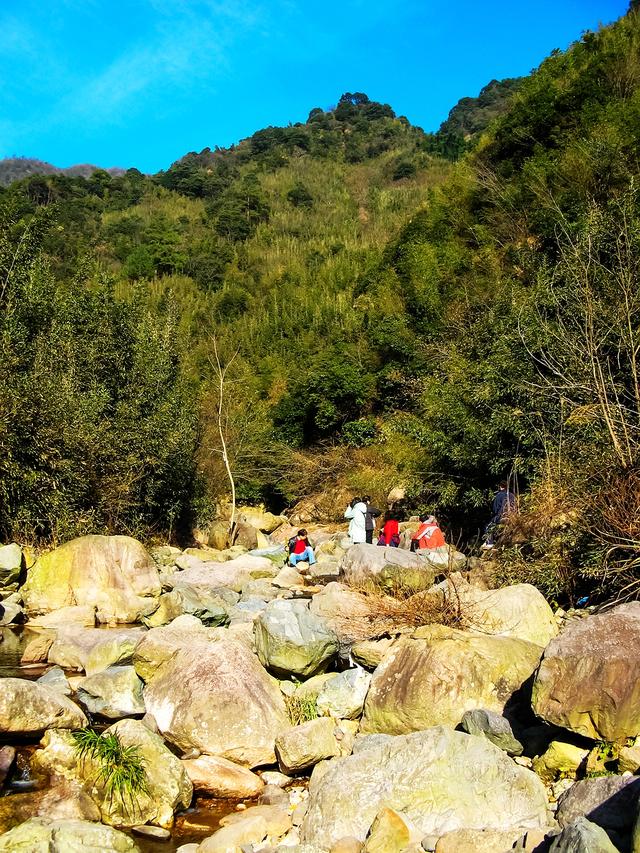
(121, 772)
(301, 709)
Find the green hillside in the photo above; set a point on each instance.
(391, 317)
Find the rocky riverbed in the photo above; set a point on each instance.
(309, 710)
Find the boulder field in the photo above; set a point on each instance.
(223, 674)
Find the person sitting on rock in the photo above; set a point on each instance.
(300, 549)
(357, 512)
(390, 533)
(428, 535)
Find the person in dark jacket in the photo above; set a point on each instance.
(370, 518)
(300, 549)
(504, 502)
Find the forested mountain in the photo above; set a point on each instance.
(388, 314)
(16, 168)
(473, 115)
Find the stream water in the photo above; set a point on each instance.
(198, 822)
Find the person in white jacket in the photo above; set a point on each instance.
(357, 512)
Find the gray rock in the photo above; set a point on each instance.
(10, 614)
(41, 835)
(30, 708)
(57, 680)
(366, 561)
(114, 693)
(343, 695)
(154, 833)
(290, 640)
(211, 694)
(261, 588)
(305, 745)
(273, 795)
(364, 742)
(494, 727)
(187, 599)
(10, 564)
(588, 680)
(609, 801)
(582, 836)
(439, 779)
(7, 757)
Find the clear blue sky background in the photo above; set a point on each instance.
(142, 82)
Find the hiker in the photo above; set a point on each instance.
(357, 512)
(504, 502)
(370, 518)
(300, 549)
(390, 533)
(428, 535)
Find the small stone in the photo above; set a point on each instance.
(494, 727)
(303, 746)
(273, 777)
(272, 795)
(560, 759)
(629, 758)
(7, 757)
(154, 832)
(390, 832)
(347, 845)
(57, 680)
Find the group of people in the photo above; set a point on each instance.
(362, 524)
(362, 517)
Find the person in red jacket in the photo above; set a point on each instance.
(300, 549)
(390, 533)
(428, 535)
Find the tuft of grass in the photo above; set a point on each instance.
(393, 607)
(121, 768)
(301, 709)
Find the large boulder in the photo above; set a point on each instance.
(513, 611)
(290, 640)
(589, 678)
(214, 696)
(93, 649)
(233, 574)
(64, 800)
(27, 708)
(439, 673)
(112, 573)
(168, 788)
(257, 517)
(160, 644)
(114, 693)
(439, 779)
(41, 835)
(362, 562)
(184, 598)
(609, 801)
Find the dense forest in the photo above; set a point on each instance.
(388, 307)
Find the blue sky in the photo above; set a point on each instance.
(140, 83)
